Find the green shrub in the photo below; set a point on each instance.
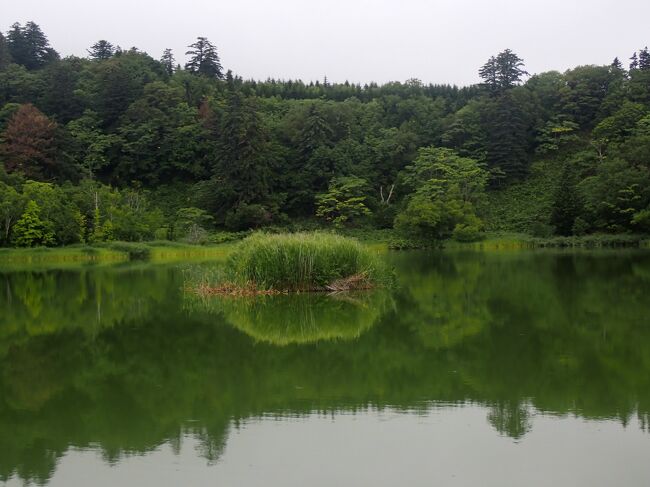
(246, 216)
(399, 242)
(225, 237)
(301, 261)
(467, 233)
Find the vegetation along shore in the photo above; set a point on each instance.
(122, 147)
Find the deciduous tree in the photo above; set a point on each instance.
(29, 144)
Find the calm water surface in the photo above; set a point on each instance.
(490, 369)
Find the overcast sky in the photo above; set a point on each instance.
(438, 41)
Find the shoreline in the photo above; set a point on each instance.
(162, 251)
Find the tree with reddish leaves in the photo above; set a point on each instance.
(29, 144)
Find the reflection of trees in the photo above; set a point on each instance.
(449, 306)
(569, 330)
(510, 418)
(516, 333)
(48, 302)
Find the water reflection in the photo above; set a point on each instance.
(115, 359)
(297, 318)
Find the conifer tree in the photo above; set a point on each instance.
(507, 129)
(644, 59)
(204, 59)
(168, 62)
(101, 50)
(510, 69)
(502, 72)
(315, 132)
(634, 62)
(489, 73)
(29, 47)
(566, 206)
(16, 44)
(5, 56)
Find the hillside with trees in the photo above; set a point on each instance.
(120, 145)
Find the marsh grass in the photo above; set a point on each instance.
(303, 262)
(110, 252)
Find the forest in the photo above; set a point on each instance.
(119, 145)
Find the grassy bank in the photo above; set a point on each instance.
(376, 241)
(111, 252)
(520, 241)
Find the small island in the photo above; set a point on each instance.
(295, 263)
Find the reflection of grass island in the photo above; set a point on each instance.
(299, 318)
(299, 262)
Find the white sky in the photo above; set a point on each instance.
(438, 41)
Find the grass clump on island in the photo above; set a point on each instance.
(298, 262)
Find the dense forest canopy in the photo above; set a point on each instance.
(120, 145)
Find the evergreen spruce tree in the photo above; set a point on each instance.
(204, 59)
(489, 73)
(5, 56)
(634, 62)
(168, 62)
(315, 132)
(510, 69)
(16, 44)
(38, 45)
(507, 136)
(502, 72)
(616, 64)
(566, 205)
(101, 50)
(239, 189)
(644, 59)
(29, 47)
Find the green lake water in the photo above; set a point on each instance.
(479, 369)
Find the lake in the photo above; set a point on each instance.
(480, 368)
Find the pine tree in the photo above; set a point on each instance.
(101, 50)
(167, 60)
(38, 46)
(634, 64)
(204, 59)
(16, 44)
(29, 47)
(616, 64)
(30, 230)
(507, 141)
(242, 172)
(5, 56)
(502, 72)
(510, 69)
(315, 132)
(566, 206)
(644, 59)
(489, 73)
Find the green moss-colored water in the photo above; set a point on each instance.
(533, 367)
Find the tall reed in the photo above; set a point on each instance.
(303, 262)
